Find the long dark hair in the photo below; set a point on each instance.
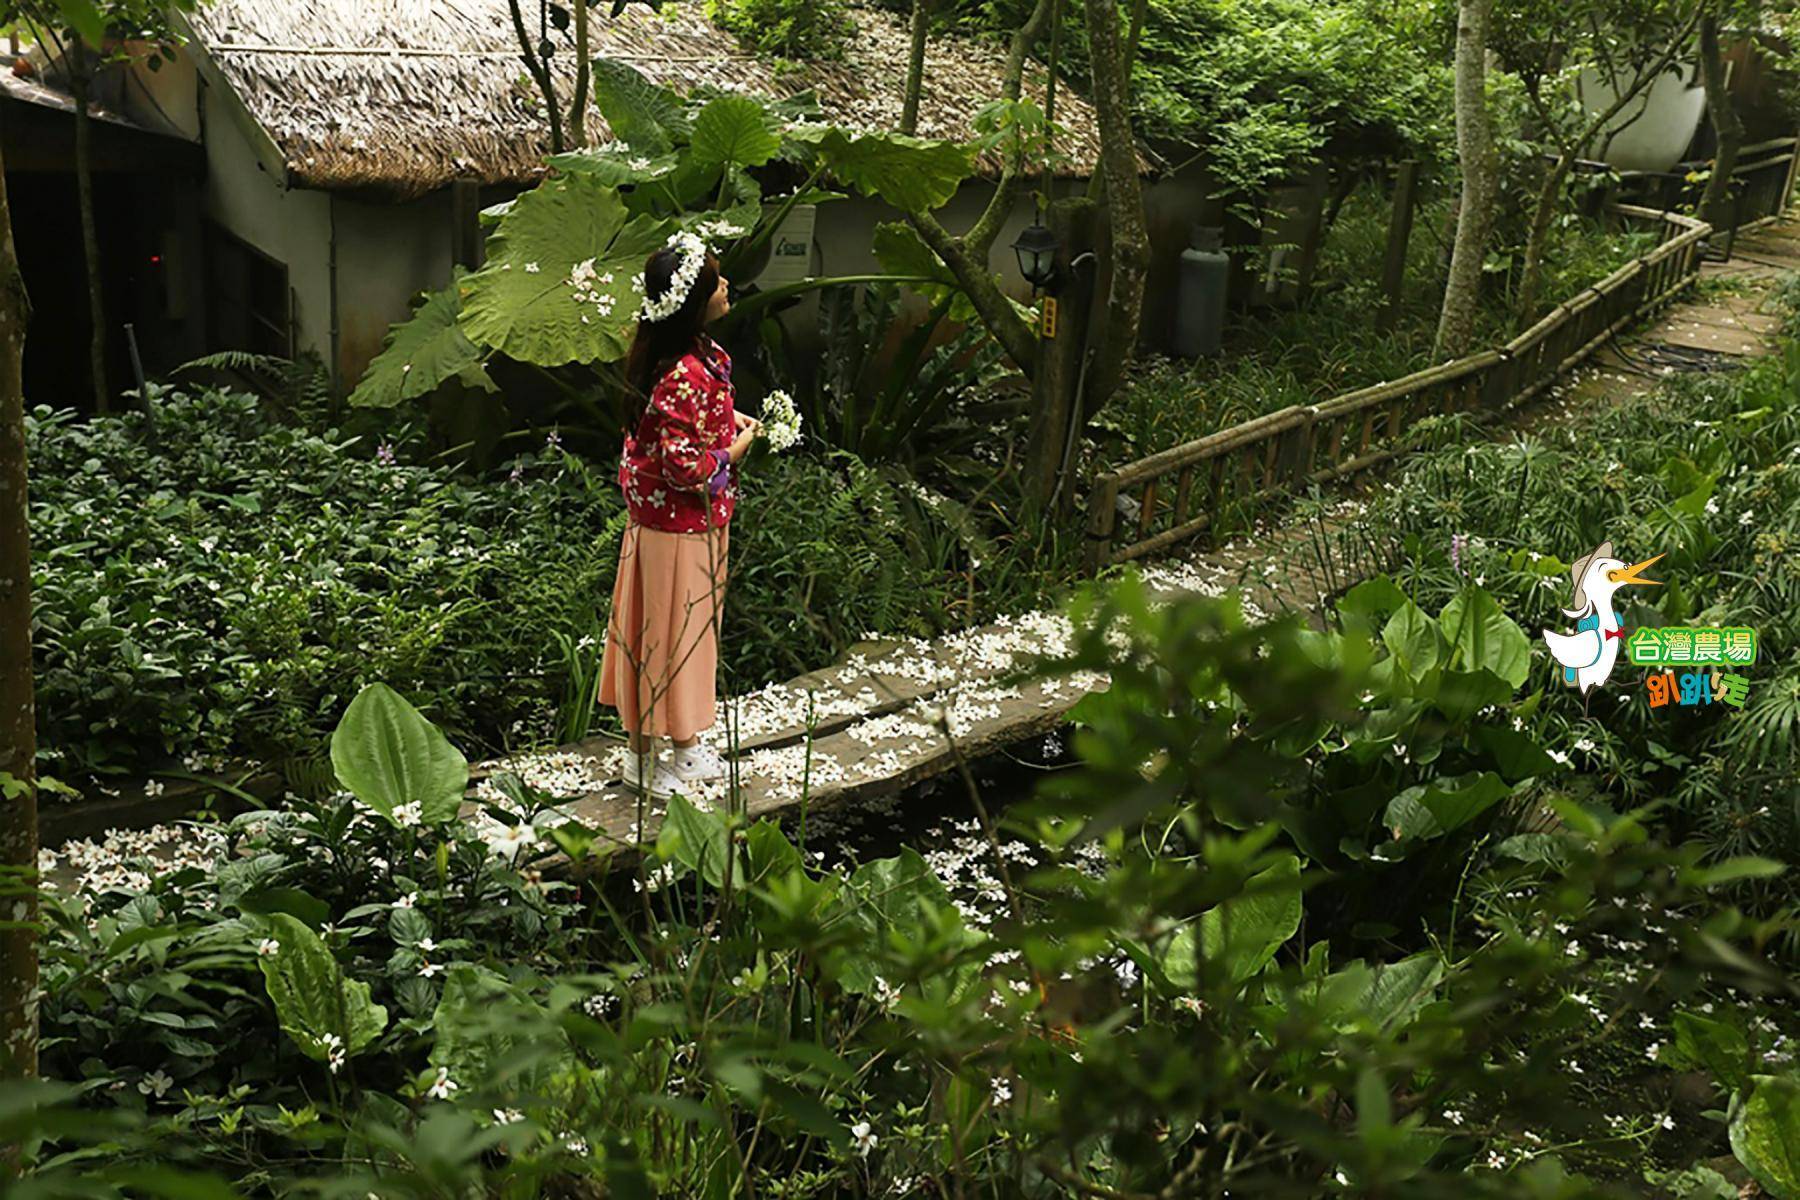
(658, 345)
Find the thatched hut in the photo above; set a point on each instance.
(349, 146)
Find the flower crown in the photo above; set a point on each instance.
(690, 254)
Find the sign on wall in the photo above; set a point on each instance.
(790, 250)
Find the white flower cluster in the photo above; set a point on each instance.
(715, 232)
(690, 257)
(588, 283)
(781, 421)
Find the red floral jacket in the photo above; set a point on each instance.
(676, 469)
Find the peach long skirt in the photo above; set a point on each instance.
(662, 649)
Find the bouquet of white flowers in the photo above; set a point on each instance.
(781, 421)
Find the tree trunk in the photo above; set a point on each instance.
(967, 256)
(1541, 216)
(1728, 127)
(578, 105)
(1480, 181)
(90, 240)
(540, 74)
(18, 724)
(1124, 204)
(971, 271)
(915, 67)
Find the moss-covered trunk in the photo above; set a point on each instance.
(1129, 239)
(18, 725)
(1480, 181)
(1728, 128)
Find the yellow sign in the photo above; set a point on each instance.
(1049, 322)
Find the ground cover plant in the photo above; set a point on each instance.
(1240, 944)
(1377, 908)
(215, 583)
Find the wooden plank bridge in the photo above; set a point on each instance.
(895, 713)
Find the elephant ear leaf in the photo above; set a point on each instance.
(557, 287)
(734, 131)
(422, 352)
(645, 114)
(1484, 638)
(912, 174)
(1244, 932)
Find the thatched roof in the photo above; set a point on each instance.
(409, 95)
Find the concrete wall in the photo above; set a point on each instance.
(386, 254)
(291, 226)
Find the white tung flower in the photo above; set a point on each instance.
(408, 815)
(442, 1087)
(267, 946)
(155, 1083)
(508, 1116)
(508, 842)
(864, 1136)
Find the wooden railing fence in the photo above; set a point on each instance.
(1176, 494)
(1762, 184)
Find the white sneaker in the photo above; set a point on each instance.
(697, 762)
(660, 781)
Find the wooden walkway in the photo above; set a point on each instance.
(894, 713)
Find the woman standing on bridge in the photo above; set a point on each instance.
(681, 445)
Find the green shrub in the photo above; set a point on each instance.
(219, 584)
(797, 29)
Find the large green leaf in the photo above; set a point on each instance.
(695, 839)
(1516, 754)
(616, 163)
(1413, 639)
(1765, 1135)
(1461, 695)
(422, 352)
(1481, 636)
(1431, 810)
(478, 1029)
(1719, 1047)
(901, 251)
(912, 174)
(734, 131)
(388, 754)
(1243, 933)
(894, 897)
(557, 285)
(768, 853)
(313, 999)
(645, 114)
(1400, 989)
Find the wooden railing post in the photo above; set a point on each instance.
(1793, 176)
(1103, 515)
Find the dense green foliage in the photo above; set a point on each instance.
(1264, 88)
(1705, 472)
(560, 281)
(1143, 985)
(218, 584)
(800, 29)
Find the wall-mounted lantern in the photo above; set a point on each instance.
(1036, 247)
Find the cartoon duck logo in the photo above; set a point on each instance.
(1587, 655)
